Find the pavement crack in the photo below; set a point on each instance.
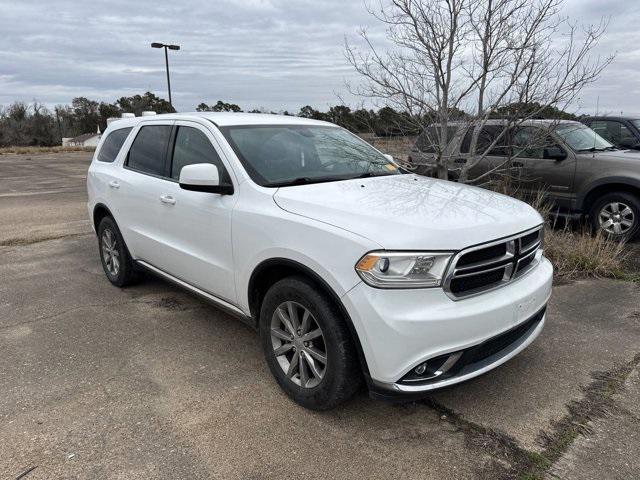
(21, 242)
(513, 461)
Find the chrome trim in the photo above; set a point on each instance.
(510, 273)
(451, 361)
(444, 368)
(208, 296)
(479, 368)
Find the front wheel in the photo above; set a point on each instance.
(307, 346)
(617, 215)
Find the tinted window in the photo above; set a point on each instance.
(490, 134)
(193, 146)
(112, 145)
(147, 153)
(615, 132)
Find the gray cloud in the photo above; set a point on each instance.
(279, 54)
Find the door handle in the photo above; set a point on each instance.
(114, 184)
(518, 164)
(168, 199)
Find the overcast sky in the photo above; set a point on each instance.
(277, 54)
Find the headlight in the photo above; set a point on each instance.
(403, 269)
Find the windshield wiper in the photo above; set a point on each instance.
(593, 149)
(302, 181)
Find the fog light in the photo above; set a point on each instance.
(420, 369)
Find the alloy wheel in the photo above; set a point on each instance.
(616, 218)
(298, 344)
(110, 253)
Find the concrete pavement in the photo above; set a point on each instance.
(149, 382)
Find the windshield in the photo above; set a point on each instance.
(281, 155)
(580, 137)
(636, 123)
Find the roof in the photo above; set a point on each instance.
(608, 117)
(223, 119)
(83, 137)
(501, 121)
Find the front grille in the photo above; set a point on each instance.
(482, 268)
(464, 284)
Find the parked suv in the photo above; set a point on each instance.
(349, 267)
(581, 173)
(623, 132)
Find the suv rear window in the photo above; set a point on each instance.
(148, 151)
(112, 145)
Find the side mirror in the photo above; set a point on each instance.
(388, 157)
(203, 177)
(555, 153)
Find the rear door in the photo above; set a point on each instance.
(195, 227)
(139, 212)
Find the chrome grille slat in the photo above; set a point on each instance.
(485, 263)
(473, 278)
(475, 274)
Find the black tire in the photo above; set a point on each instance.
(126, 273)
(622, 198)
(342, 375)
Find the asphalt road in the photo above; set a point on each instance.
(149, 382)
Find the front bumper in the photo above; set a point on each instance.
(400, 329)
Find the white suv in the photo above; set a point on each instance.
(351, 268)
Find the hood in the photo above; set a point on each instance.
(411, 212)
(631, 156)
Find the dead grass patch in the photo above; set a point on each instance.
(36, 150)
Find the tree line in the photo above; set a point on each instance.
(34, 124)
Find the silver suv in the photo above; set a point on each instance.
(581, 173)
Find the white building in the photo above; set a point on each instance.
(84, 140)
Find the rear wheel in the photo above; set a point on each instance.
(116, 261)
(617, 215)
(307, 345)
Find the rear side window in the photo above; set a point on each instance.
(112, 145)
(193, 146)
(148, 151)
(490, 134)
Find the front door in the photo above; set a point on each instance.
(196, 227)
(542, 175)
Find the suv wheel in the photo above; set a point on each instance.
(116, 261)
(617, 215)
(307, 345)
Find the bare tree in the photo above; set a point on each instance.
(455, 64)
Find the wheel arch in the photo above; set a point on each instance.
(270, 271)
(100, 210)
(605, 186)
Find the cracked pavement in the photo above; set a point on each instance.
(150, 382)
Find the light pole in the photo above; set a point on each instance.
(166, 61)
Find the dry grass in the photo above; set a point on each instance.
(399, 147)
(36, 150)
(578, 253)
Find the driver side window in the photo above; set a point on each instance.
(192, 146)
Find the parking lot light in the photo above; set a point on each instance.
(166, 61)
